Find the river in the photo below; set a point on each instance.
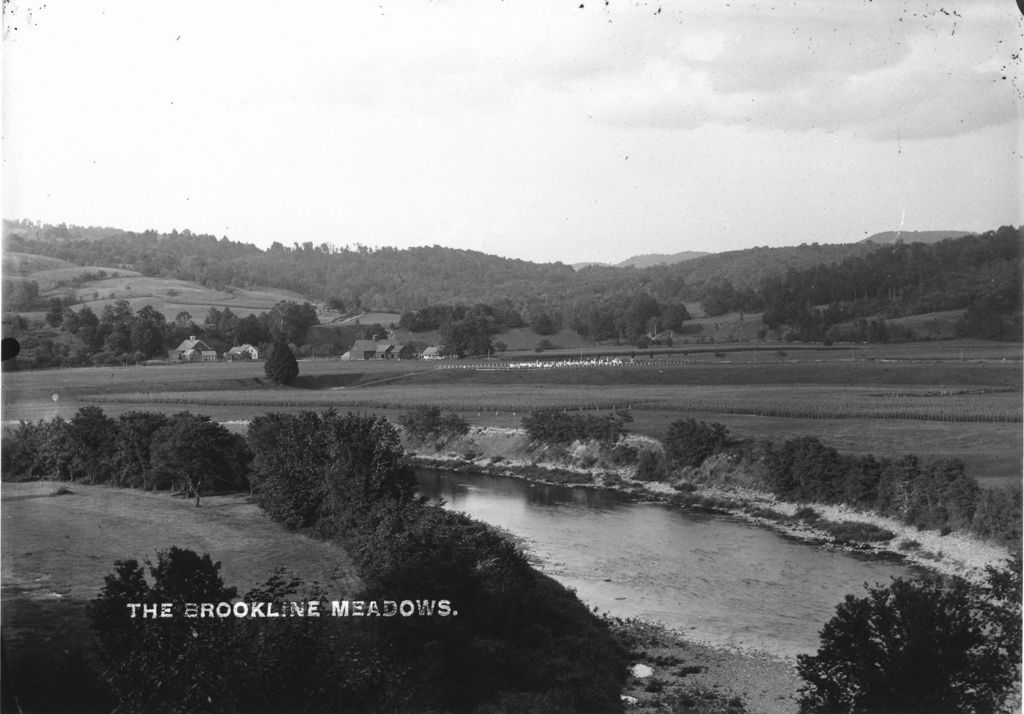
(714, 578)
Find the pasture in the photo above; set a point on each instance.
(57, 548)
(934, 399)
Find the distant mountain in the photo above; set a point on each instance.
(650, 259)
(647, 260)
(889, 237)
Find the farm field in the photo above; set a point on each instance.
(57, 549)
(57, 278)
(889, 403)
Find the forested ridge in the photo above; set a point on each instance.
(806, 289)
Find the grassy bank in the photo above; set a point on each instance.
(60, 539)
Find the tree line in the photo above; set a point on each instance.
(980, 274)
(808, 292)
(120, 334)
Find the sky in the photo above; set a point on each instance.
(543, 130)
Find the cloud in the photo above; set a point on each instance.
(927, 74)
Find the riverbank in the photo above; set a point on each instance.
(508, 452)
(671, 673)
(715, 678)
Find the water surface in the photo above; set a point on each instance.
(717, 579)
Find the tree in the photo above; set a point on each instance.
(543, 324)
(167, 664)
(92, 437)
(290, 322)
(690, 442)
(147, 332)
(133, 446)
(55, 315)
(281, 366)
(199, 455)
(935, 645)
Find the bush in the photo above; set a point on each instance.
(650, 465)
(690, 442)
(936, 645)
(854, 532)
(551, 426)
(428, 424)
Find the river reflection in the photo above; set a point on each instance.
(716, 579)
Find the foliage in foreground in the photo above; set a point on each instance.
(228, 664)
(935, 645)
(429, 424)
(520, 640)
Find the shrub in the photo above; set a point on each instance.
(854, 532)
(690, 442)
(806, 513)
(623, 454)
(650, 465)
(428, 424)
(552, 426)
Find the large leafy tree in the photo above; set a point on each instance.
(166, 664)
(133, 446)
(288, 321)
(147, 332)
(198, 455)
(91, 439)
(935, 645)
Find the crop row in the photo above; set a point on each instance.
(1006, 409)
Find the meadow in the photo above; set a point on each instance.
(933, 399)
(61, 539)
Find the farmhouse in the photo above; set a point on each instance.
(432, 353)
(379, 349)
(193, 350)
(245, 351)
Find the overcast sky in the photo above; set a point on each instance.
(543, 130)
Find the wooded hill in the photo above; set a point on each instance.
(808, 288)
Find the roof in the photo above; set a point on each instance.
(240, 349)
(192, 344)
(431, 351)
(360, 346)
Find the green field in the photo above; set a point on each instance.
(57, 278)
(933, 399)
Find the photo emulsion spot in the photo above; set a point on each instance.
(512, 357)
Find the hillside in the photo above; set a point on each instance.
(889, 237)
(651, 259)
(792, 286)
(647, 260)
(390, 279)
